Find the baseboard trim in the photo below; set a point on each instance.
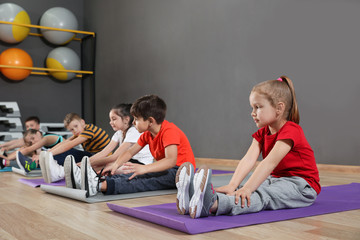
(227, 163)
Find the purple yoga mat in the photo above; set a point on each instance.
(331, 199)
(214, 172)
(36, 182)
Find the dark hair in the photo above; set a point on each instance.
(123, 110)
(280, 90)
(149, 106)
(33, 118)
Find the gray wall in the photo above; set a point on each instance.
(43, 96)
(203, 57)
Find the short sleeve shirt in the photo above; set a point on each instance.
(169, 134)
(97, 138)
(300, 161)
(132, 136)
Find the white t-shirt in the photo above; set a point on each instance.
(132, 136)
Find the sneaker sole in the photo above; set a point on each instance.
(84, 176)
(43, 165)
(18, 161)
(69, 178)
(183, 180)
(197, 201)
(47, 168)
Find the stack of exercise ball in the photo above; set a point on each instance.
(63, 58)
(9, 33)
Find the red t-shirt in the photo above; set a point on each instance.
(300, 161)
(169, 134)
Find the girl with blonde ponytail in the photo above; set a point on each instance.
(287, 177)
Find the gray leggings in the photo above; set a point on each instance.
(273, 193)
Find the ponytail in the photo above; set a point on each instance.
(294, 115)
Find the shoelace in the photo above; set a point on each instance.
(100, 179)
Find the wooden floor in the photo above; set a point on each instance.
(29, 213)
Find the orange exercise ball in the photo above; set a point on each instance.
(15, 57)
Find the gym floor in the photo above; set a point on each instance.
(29, 213)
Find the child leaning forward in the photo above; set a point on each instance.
(287, 177)
(168, 145)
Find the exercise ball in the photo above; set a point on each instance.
(9, 33)
(58, 17)
(63, 58)
(15, 57)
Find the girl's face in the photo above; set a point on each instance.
(263, 112)
(30, 139)
(117, 123)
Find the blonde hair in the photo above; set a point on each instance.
(71, 117)
(280, 90)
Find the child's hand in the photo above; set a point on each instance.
(243, 193)
(107, 170)
(35, 158)
(227, 189)
(137, 169)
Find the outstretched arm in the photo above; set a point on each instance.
(103, 158)
(243, 168)
(67, 145)
(263, 170)
(16, 143)
(126, 156)
(166, 163)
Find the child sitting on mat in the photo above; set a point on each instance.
(126, 136)
(35, 141)
(167, 143)
(92, 138)
(32, 122)
(287, 177)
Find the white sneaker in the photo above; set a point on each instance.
(185, 189)
(43, 165)
(89, 178)
(54, 171)
(72, 173)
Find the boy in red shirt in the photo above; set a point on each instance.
(168, 144)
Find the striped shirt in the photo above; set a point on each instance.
(97, 138)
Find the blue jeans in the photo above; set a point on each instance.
(118, 184)
(78, 155)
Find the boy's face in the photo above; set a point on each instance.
(140, 124)
(32, 125)
(76, 127)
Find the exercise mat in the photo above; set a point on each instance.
(331, 199)
(80, 195)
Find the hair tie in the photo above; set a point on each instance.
(279, 79)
